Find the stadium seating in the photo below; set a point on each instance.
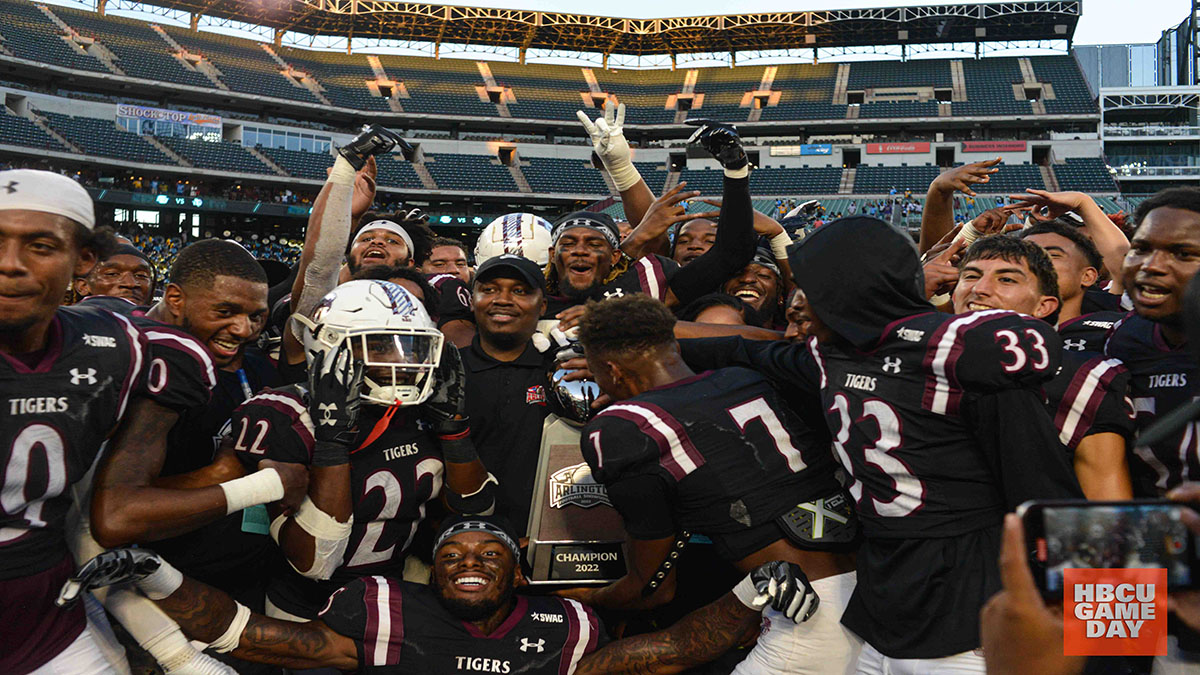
(552, 174)
(543, 92)
(245, 66)
(723, 89)
(1013, 178)
(475, 173)
(1084, 174)
(989, 88)
(139, 50)
(104, 138)
(644, 93)
(299, 163)
(439, 87)
(1071, 93)
(654, 173)
(222, 156)
(394, 172)
(898, 109)
(809, 180)
(884, 74)
(17, 130)
(807, 93)
(342, 76)
(881, 179)
(30, 34)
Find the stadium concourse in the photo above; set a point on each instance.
(350, 349)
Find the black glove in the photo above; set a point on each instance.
(334, 389)
(720, 140)
(788, 588)
(447, 407)
(119, 566)
(373, 140)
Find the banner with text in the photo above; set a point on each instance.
(993, 146)
(896, 148)
(161, 115)
(807, 149)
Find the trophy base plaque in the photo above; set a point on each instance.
(576, 537)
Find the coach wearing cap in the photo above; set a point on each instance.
(506, 395)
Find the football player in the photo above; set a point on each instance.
(921, 405)
(447, 256)
(761, 286)
(1086, 396)
(67, 376)
(719, 455)
(468, 620)
(126, 272)
(381, 380)
(1163, 256)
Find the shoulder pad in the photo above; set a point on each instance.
(1129, 337)
(273, 424)
(988, 350)
(181, 372)
(351, 608)
(633, 432)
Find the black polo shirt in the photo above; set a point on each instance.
(506, 401)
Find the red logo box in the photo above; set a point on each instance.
(1114, 612)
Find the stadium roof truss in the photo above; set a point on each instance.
(391, 21)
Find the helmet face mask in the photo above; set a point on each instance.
(387, 330)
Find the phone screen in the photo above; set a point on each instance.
(1115, 535)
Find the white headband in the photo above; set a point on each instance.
(46, 192)
(383, 225)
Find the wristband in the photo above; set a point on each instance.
(458, 449)
(749, 596)
(330, 453)
(261, 487)
(968, 233)
(233, 634)
(624, 174)
(779, 245)
(343, 172)
(738, 173)
(162, 582)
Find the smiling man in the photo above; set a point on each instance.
(759, 285)
(506, 385)
(470, 619)
(1164, 255)
(124, 273)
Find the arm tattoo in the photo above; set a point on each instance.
(204, 613)
(695, 639)
(139, 447)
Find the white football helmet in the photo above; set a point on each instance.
(522, 234)
(388, 330)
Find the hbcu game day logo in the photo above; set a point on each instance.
(574, 486)
(1114, 612)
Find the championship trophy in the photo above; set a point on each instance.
(576, 537)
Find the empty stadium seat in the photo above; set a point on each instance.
(299, 163)
(104, 138)
(244, 65)
(1084, 174)
(140, 51)
(574, 176)
(476, 173)
(17, 130)
(30, 34)
(223, 156)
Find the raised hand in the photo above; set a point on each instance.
(119, 566)
(667, 210)
(962, 178)
(334, 388)
(373, 139)
(1044, 205)
(447, 405)
(941, 272)
(720, 140)
(608, 135)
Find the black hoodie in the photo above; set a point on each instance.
(860, 274)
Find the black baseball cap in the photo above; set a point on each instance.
(511, 266)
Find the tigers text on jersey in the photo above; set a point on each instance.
(391, 481)
(59, 407)
(1161, 378)
(717, 454)
(401, 628)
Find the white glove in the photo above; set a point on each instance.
(608, 140)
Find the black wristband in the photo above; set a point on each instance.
(330, 453)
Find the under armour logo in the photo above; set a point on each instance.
(78, 377)
(12, 186)
(616, 293)
(327, 412)
(891, 365)
(1074, 345)
(526, 645)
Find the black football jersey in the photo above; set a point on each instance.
(453, 299)
(392, 478)
(1086, 333)
(401, 628)
(1087, 396)
(722, 449)
(650, 275)
(57, 414)
(1161, 378)
(180, 372)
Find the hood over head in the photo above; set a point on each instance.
(860, 274)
